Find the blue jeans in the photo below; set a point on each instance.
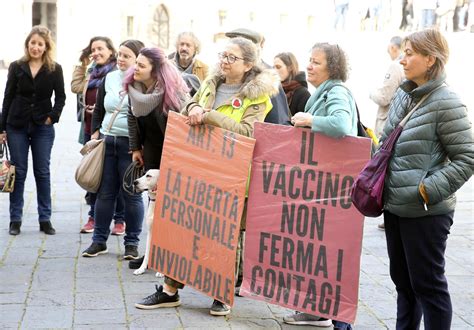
(117, 159)
(428, 18)
(119, 207)
(40, 139)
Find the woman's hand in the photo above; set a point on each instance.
(89, 108)
(137, 155)
(302, 119)
(195, 116)
(48, 121)
(3, 137)
(95, 135)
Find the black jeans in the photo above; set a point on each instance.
(416, 249)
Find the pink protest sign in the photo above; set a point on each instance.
(304, 237)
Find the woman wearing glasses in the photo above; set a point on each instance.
(235, 97)
(238, 94)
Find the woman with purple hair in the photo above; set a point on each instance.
(154, 87)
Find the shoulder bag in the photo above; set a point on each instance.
(367, 190)
(89, 172)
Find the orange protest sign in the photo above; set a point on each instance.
(303, 236)
(199, 205)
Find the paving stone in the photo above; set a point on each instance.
(100, 317)
(87, 269)
(245, 323)
(50, 281)
(12, 298)
(10, 314)
(98, 285)
(15, 288)
(247, 308)
(99, 301)
(56, 265)
(142, 288)
(198, 317)
(100, 327)
(153, 319)
(53, 298)
(48, 317)
(21, 256)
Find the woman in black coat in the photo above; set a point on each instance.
(27, 119)
(293, 81)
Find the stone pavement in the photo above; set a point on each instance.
(45, 283)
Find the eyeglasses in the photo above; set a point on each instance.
(229, 58)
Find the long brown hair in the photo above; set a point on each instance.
(44, 33)
(289, 59)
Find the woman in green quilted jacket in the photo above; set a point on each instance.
(432, 159)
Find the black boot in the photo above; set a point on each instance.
(47, 227)
(15, 228)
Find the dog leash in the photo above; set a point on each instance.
(133, 172)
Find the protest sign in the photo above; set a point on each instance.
(304, 237)
(199, 204)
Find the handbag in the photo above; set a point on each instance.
(89, 172)
(367, 190)
(7, 170)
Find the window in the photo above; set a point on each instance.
(160, 27)
(130, 26)
(222, 17)
(310, 23)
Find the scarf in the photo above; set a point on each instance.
(98, 73)
(188, 69)
(289, 88)
(143, 104)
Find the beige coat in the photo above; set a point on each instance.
(384, 94)
(79, 80)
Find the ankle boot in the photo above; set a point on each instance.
(15, 228)
(47, 228)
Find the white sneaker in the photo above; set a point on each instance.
(307, 319)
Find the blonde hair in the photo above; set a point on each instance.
(44, 33)
(430, 42)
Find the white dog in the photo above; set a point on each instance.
(148, 183)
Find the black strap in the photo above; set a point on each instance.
(4, 151)
(353, 98)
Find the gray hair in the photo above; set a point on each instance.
(396, 41)
(197, 43)
(249, 50)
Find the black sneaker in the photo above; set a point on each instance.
(219, 309)
(159, 299)
(136, 263)
(131, 252)
(95, 249)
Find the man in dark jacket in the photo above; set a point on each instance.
(280, 114)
